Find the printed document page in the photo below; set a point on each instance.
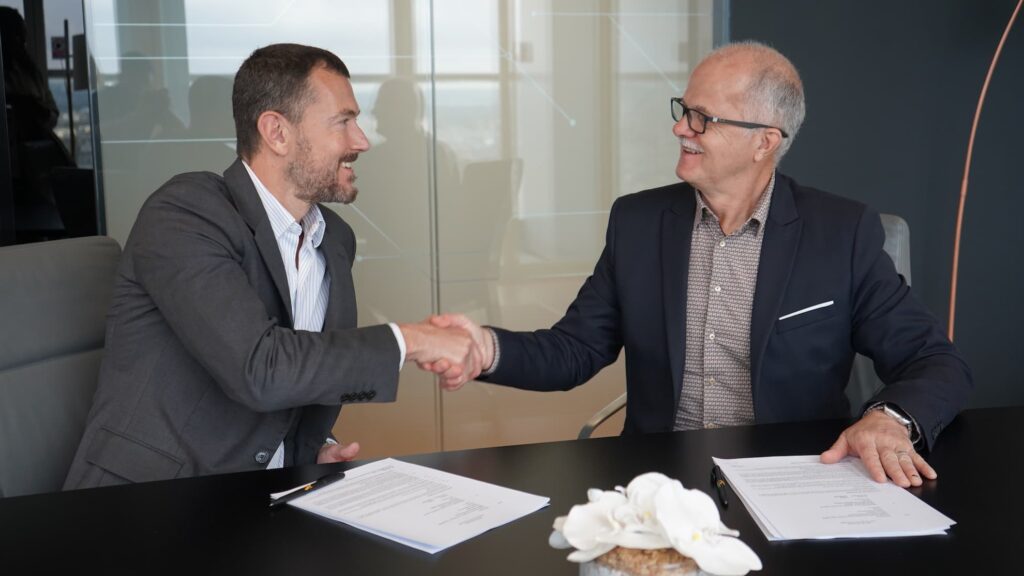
(418, 506)
(798, 497)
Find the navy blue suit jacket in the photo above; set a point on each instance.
(817, 247)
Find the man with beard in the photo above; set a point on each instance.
(232, 340)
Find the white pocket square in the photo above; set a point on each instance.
(808, 309)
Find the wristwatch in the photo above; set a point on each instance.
(898, 416)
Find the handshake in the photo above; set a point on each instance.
(451, 346)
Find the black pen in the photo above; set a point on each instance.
(718, 480)
(303, 490)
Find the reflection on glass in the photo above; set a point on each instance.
(577, 90)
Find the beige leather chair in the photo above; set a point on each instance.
(864, 383)
(53, 304)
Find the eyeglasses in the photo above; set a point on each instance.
(698, 121)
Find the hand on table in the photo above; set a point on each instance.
(884, 446)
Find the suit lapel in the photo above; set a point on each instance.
(778, 253)
(676, 233)
(339, 270)
(247, 200)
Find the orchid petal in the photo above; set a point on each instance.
(642, 489)
(682, 509)
(586, 522)
(726, 557)
(556, 540)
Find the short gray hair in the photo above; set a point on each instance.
(775, 94)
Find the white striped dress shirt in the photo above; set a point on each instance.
(308, 283)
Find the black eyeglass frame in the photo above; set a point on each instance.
(715, 119)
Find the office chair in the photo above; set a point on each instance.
(864, 383)
(53, 301)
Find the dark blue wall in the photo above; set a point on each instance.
(891, 91)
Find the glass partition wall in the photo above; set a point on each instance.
(501, 132)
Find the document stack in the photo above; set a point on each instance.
(798, 497)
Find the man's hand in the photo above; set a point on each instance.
(481, 338)
(884, 446)
(448, 351)
(337, 453)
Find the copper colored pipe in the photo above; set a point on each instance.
(967, 170)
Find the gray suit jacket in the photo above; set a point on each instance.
(202, 372)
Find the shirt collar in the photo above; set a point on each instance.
(281, 220)
(756, 220)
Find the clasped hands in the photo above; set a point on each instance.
(451, 346)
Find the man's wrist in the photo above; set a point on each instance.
(400, 339)
(896, 413)
(496, 351)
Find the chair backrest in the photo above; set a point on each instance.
(864, 383)
(53, 304)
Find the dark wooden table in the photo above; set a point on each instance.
(221, 524)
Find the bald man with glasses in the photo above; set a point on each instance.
(741, 296)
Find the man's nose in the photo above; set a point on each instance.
(682, 129)
(360, 143)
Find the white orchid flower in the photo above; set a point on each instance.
(654, 512)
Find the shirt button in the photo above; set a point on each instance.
(711, 381)
(711, 336)
(718, 288)
(722, 243)
(262, 457)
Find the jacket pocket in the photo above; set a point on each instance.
(806, 316)
(129, 458)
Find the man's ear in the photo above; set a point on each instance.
(275, 132)
(768, 141)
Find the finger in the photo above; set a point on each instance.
(441, 366)
(893, 469)
(923, 467)
(455, 371)
(458, 320)
(347, 452)
(451, 385)
(837, 452)
(440, 321)
(869, 456)
(909, 469)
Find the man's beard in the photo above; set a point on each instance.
(318, 183)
